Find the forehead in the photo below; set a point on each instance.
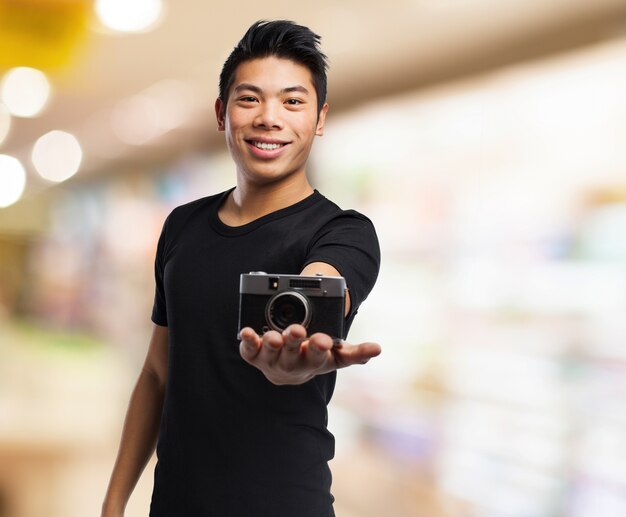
(273, 74)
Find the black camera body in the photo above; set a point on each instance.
(273, 302)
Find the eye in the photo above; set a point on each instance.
(294, 102)
(247, 98)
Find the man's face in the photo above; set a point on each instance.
(270, 119)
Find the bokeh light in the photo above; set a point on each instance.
(160, 108)
(12, 180)
(5, 123)
(135, 120)
(135, 16)
(57, 155)
(25, 91)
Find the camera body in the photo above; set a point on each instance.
(273, 302)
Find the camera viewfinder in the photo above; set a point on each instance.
(273, 283)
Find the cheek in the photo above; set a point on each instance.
(234, 120)
(231, 138)
(305, 128)
(232, 130)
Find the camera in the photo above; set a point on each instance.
(273, 302)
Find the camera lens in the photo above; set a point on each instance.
(286, 308)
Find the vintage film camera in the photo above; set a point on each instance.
(273, 302)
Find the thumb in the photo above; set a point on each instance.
(347, 355)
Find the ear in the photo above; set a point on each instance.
(220, 114)
(319, 130)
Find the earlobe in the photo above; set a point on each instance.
(219, 114)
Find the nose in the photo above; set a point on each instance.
(268, 116)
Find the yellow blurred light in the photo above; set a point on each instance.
(12, 180)
(57, 156)
(25, 91)
(124, 16)
(45, 34)
(5, 123)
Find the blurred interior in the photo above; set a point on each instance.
(485, 139)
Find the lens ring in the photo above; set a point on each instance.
(270, 316)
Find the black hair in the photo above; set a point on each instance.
(280, 38)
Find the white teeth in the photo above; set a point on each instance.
(267, 147)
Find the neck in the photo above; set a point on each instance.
(249, 202)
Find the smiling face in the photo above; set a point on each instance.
(270, 120)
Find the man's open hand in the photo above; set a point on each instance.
(294, 358)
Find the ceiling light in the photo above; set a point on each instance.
(57, 156)
(12, 180)
(124, 16)
(5, 122)
(25, 91)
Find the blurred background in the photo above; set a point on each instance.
(486, 140)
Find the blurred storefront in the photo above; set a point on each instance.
(501, 205)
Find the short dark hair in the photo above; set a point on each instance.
(280, 38)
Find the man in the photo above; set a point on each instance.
(241, 426)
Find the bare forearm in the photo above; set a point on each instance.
(138, 441)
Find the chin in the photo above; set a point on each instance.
(267, 178)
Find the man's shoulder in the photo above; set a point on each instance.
(197, 207)
(182, 215)
(198, 204)
(334, 213)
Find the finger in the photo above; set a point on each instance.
(271, 344)
(250, 343)
(320, 343)
(293, 336)
(318, 350)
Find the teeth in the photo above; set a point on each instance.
(267, 147)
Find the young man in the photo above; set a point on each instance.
(241, 425)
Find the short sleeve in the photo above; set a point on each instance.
(159, 309)
(348, 242)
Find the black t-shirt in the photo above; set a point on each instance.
(232, 444)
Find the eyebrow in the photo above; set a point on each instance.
(257, 89)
